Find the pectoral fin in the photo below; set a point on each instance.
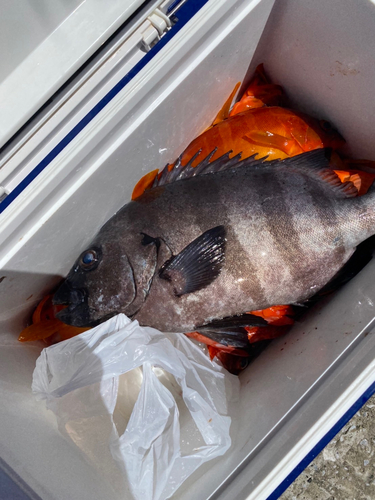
(198, 264)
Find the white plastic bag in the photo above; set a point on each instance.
(149, 450)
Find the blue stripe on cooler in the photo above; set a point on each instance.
(185, 13)
(322, 443)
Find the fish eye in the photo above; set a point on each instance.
(326, 126)
(89, 260)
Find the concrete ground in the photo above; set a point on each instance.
(345, 469)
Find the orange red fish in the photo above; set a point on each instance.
(45, 326)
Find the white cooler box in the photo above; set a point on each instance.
(134, 107)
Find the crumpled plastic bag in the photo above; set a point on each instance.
(79, 378)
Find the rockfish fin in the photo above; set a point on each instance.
(315, 164)
(231, 331)
(235, 337)
(243, 320)
(177, 172)
(198, 264)
(339, 189)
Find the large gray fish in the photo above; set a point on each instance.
(218, 240)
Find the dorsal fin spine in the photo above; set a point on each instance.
(313, 163)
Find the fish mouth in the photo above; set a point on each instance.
(77, 312)
(79, 315)
(74, 315)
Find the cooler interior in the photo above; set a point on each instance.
(297, 389)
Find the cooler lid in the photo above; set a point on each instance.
(42, 44)
(33, 123)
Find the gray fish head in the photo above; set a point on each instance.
(113, 275)
(100, 284)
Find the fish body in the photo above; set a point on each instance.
(212, 245)
(283, 244)
(274, 132)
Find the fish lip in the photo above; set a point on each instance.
(75, 315)
(77, 312)
(69, 316)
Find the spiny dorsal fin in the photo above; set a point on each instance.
(314, 163)
(340, 189)
(177, 172)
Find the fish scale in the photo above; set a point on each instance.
(288, 225)
(246, 294)
(280, 224)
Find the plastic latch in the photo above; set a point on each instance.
(150, 37)
(160, 23)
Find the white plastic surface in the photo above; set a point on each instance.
(43, 43)
(322, 53)
(302, 382)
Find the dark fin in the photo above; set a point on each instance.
(340, 189)
(235, 321)
(231, 331)
(235, 337)
(242, 337)
(313, 160)
(198, 264)
(314, 163)
(177, 172)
